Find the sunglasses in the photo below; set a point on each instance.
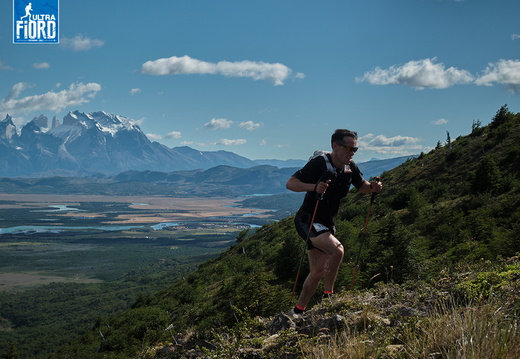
(347, 147)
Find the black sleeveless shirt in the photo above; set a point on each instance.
(338, 188)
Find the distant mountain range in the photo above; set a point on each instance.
(99, 143)
(222, 181)
(92, 143)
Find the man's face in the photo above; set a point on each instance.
(346, 150)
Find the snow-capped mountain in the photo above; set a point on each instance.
(8, 131)
(96, 142)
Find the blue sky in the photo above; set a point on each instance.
(273, 79)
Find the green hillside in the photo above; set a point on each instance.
(446, 225)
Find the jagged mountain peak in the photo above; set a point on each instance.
(8, 129)
(73, 118)
(55, 122)
(8, 118)
(106, 122)
(31, 126)
(41, 121)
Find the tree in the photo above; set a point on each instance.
(242, 235)
(487, 176)
(502, 116)
(476, 127)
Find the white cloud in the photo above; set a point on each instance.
(263, 142)
(153, 137)
(440, 121)
(382, 140)
(185, 65)
(515, 37)
(134, 91)
(506, 72)
(17, 90)
(227, 142)
(193, 143)
(418, 74)
(249, 125)
(397, 145)
(41, 65)
(138, 122)
(174, 134)
(221, 142)
(80, 43)
(77, 94)
(4, 67)
(218, 123)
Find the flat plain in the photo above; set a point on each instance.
(170, 208)
(93, 238)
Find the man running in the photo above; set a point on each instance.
(28, 10)
(328, 176)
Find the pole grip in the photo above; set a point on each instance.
(373, 197)
(324, 178)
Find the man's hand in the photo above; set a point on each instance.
(376, 186)
(321, 187)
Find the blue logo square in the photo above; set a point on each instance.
(35, 21)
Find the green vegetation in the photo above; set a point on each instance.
(66, 281)
(442, 245)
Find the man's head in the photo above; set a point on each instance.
(344, 146)
(339, 136)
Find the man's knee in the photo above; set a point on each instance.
(338, 249)
(317, 273)
(338, 252)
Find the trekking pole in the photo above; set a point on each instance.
(356, 264)
(319, 197)
(304, 250)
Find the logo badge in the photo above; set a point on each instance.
(35, 21)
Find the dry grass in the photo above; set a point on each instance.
(480, 331)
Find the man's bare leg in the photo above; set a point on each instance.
(334, 250)
(324, 262)
(317, 262)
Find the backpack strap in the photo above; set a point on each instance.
(328, 161)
